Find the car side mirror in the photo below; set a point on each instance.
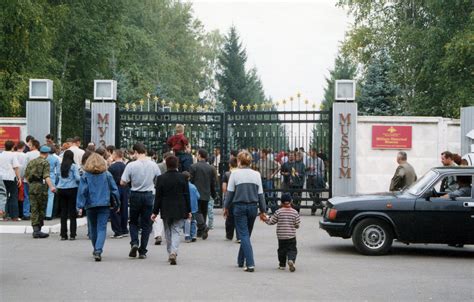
(427, 195)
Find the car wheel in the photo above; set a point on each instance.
(372, 236)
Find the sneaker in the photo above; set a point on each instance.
(282, 268)
(187, 240)
(63, 238)
(172, 259)
(133, 251)
(16, 219)
(193, 240)
(142, 256)
(291, 264)
(205, 234)
(237, 241)
(72, 238)
(249, 269)
(116, 236)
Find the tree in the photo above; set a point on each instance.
(420, 37)
(232, 77)
(344, 68)
(378, 93)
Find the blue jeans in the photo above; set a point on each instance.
(210, 214)
(190, 228)
(245, 215)
(119, 220)
(26, 200)
(141, 207)
(172, 229)
(50, 206)
(97, 218)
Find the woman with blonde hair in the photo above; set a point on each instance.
(96, 189)
(245, 195)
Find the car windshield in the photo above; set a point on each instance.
(417, 187)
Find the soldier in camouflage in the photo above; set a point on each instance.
(37, 175)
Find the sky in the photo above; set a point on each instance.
(292, 44)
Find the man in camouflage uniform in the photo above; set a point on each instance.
(37, 174)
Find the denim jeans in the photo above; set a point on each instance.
(119, 220)
(245, 215)
(141, 207)
(172, 232)
(50, 206)
(190, 227)
(26, 200)
(97, 218)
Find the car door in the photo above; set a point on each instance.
(443, 220)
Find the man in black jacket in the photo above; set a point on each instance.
(172, 201)
(203, 176)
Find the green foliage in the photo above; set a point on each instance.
(378, 93)
(430, 44)
(344, 69)
(154, 46)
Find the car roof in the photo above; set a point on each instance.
(455, 169)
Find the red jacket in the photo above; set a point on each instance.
(177, 142)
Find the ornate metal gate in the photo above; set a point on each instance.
(241, 129)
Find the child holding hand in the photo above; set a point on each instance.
(287, 220)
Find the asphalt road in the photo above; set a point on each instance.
(328, 269)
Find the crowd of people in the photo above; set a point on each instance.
(138, 195)
(141, 196)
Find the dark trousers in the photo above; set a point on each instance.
(286, 250)
(119, 220)
(67, 202)
(201, 216)
(141, 207)
(11, 207)
(230, 225)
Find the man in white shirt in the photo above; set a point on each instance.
(10, 172)
(78, 152)
(140, 174)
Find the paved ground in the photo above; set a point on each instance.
(327, 269)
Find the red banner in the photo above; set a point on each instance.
(391, 137)
(9, 134)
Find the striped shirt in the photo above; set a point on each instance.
(287, 220)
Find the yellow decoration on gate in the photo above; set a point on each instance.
(141, 101)
(185, 106)
(177, 105)
(255, 107)
(127, 106)
(134, 106)
(191, 107)
(249, 107)
(242, 107)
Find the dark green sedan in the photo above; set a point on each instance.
(418, 214)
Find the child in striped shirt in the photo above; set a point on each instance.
(287, 220)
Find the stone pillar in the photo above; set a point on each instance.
(344, 125)
(40, 119)
(103, 122)
(467, 125)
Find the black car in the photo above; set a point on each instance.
(418, 214)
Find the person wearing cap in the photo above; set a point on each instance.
(287, 220)
(37, 174)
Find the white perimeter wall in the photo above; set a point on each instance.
(430, 137)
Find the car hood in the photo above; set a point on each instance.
(362, 197)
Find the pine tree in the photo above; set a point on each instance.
(377, 96)
(344, 69)
(232, 78)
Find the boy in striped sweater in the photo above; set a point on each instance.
(287, 220)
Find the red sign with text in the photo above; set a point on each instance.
(9, 134)
(391, 137)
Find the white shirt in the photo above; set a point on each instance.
(78, 153)
(23, 161)
(8, 162)
(32, 155)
